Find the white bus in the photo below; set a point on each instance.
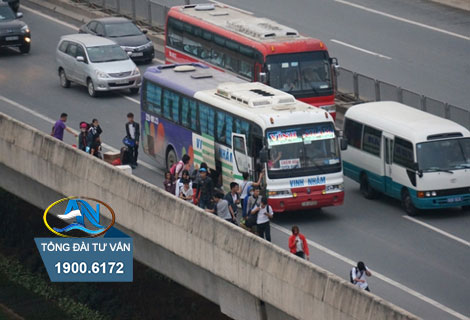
(408, 154)
(240, 127)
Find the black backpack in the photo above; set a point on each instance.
(351, 276)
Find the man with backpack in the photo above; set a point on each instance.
(177, 168)
(205, 189)
(264, 214)
(133, 134)
(59, 127)
(233, 197)
(358, 274)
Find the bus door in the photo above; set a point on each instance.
(242, 161)
(387, 159)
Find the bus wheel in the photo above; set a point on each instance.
(171, 158)
(407, 203)
(367, 191)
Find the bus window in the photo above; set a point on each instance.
(206, 118)
(224, 128)
(372, 140)
(154, 98)
(246, 69)
(171, 106)
(403, 153)
(192, 47)
(353, 132)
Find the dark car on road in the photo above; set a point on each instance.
(14, 4)
(125, 33)
(13, 32)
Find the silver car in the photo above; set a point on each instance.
(98, 63)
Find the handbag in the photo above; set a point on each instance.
(128, 142)
(250, 220)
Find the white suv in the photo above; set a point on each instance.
(98, 63)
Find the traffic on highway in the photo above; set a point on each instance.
(390, 187)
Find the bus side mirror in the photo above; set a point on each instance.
(343, 143)
(334, 63)
(262, 77)
(263, 155)
(415, 167)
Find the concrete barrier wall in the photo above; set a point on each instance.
(296, 287)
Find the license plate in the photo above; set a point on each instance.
(122, 81)
(12, 38)
(455, 199)
(137, 54)
(309, 203)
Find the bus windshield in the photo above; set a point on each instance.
(300, 74)
(448, 154)
(302, 150)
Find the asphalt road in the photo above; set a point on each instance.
(417, 45)
(415, 267)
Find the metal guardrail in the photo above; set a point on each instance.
(362, 88)
(351, 84)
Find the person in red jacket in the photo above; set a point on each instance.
(298, 244)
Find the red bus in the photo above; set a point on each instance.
(256, 49)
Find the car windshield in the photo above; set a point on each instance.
(106, 53)
(301, 74)
(302, 150)
(126, 29)
(448, 154)
(6, 13)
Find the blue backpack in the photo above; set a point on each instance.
(245, 201)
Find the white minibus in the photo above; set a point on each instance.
(421, 159)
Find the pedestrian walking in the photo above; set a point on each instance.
(177, 168)
(82, 137)
(222, 208)
(298, 244)
(186, 192)
(133, 133)
(169, 183)
(60, 126)
(358, 276)
(233, 197)
(93, 138)
(180, 182)
(245, 187)
(205, 189)
(264, 214)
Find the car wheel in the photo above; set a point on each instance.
(367, 191)
(134, 90)
(91, 88)
(171, 158)
(407, 203)
(64, 82)
(25, 48)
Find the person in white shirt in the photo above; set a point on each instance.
(245, 186)
(186, 192)
(358, 275)
(179, 182)
(265, 213)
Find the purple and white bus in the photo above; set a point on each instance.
(235, 127)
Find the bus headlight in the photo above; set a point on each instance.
(426, 194)
(279, 193)
(334, 188)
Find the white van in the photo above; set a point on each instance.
(421, 159)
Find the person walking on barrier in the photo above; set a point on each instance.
(93, 138)
(265, 213)
(205, 189)
(298, 244)
(233, 197)
(60, 126)
(358, 275)
(82, 137)
(133, 133)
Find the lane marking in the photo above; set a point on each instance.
(360, 49)
(52, 121)
(404, 20)
(442, 232)
(71, 26)
(379, 276)
(131, 99)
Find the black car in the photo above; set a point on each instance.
(13, 32)
(124, 33)
(14, 4)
